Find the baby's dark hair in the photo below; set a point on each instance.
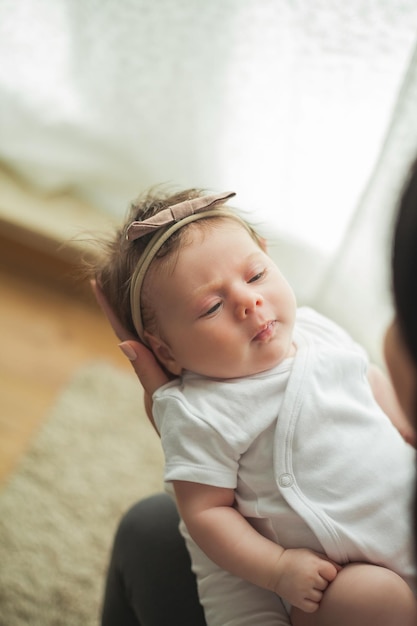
(118, 257)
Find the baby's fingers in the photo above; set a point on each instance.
(328, 570)
(311, 601)
(321, 583)
(310, 606)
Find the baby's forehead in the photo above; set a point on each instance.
(195, 233)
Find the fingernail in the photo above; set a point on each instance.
(128, 351)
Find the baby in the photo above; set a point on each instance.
(281, 441)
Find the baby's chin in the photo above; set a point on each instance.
(273, 360)
(249, 365)
(251, 370)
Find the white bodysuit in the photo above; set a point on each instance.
(312, 458)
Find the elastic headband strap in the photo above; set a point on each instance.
(152, 249)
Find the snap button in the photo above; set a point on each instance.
(286, 480)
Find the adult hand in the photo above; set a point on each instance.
(147, 369)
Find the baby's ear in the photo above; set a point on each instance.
(163, 353)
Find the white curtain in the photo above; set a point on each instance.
(287, 102)
(356, 288)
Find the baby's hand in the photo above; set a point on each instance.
(303, 576)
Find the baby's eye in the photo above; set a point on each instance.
(256, 277)
(212, 309)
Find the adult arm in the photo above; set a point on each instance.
(299, 576)
(146, 367)
(385, 396)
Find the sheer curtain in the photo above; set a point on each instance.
(286, 102)
(355, 289)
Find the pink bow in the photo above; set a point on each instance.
(175, 213)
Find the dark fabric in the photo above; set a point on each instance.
(150, 582)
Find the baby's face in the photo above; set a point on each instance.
(225, 310)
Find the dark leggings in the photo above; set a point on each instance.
(150, 582)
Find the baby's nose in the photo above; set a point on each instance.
(247, 303)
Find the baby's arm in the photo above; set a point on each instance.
(299, 576)
(385, 396)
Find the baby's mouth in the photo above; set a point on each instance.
(266, 332)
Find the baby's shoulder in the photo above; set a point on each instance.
(324, 330)
(311, 320)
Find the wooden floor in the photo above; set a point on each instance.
(49, 326)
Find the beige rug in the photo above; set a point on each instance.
(95, 456)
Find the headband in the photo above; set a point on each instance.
(166, 223)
